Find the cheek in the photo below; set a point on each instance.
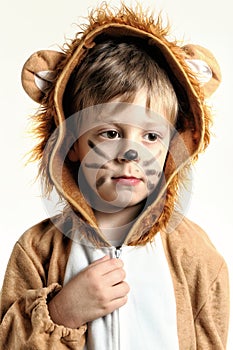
(153, 168)
(155, 158)
(83, 148)
(93, 160)
(162, 153)
(162, 157)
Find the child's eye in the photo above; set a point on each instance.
(151, 136)
(110, 134)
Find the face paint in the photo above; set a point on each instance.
(94, 166)
(118, 180)
(97, 150)
(131, 154)
(151, 160)
(122, 156)
(100, 181)
(150, 186)
(153, 172)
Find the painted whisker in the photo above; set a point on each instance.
(95, 166)
(152, 160)
(153, 172)
(97, 150)
(149, 162)
(150, 186)
(100, 181)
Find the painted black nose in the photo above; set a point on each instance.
(131, 154)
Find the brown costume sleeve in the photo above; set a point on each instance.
(211, 322)
(201, 283)
(25, 321)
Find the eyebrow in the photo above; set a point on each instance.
(149, 126)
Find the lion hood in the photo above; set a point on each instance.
(195, 74)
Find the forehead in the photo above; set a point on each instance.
(120, 113)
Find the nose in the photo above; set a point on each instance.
(129, 155)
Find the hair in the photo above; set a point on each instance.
(119, 68)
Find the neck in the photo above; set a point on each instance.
(116, 225)
(117, 218)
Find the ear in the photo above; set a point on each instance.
(73, 154)
(39, 72)
(203, 63)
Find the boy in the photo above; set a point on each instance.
(123, 117)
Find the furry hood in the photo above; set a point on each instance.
(195, 76)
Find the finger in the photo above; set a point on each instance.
(118, 291)
(98, 261)
(116, 304)
(106, 266)
(114, 277)
(112, 306)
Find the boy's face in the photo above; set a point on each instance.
(122, 150)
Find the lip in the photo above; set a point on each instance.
(127, 180)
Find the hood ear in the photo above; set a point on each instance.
(205, 66)
(39, 72)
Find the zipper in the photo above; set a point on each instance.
(116, 342)
(118, 252)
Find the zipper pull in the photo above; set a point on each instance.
(117, 253)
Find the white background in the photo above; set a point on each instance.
(27, 26)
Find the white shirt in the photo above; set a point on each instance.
(148, 320)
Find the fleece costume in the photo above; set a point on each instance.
(41, 263)
(36, 271)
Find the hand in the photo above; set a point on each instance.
(95, 292)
